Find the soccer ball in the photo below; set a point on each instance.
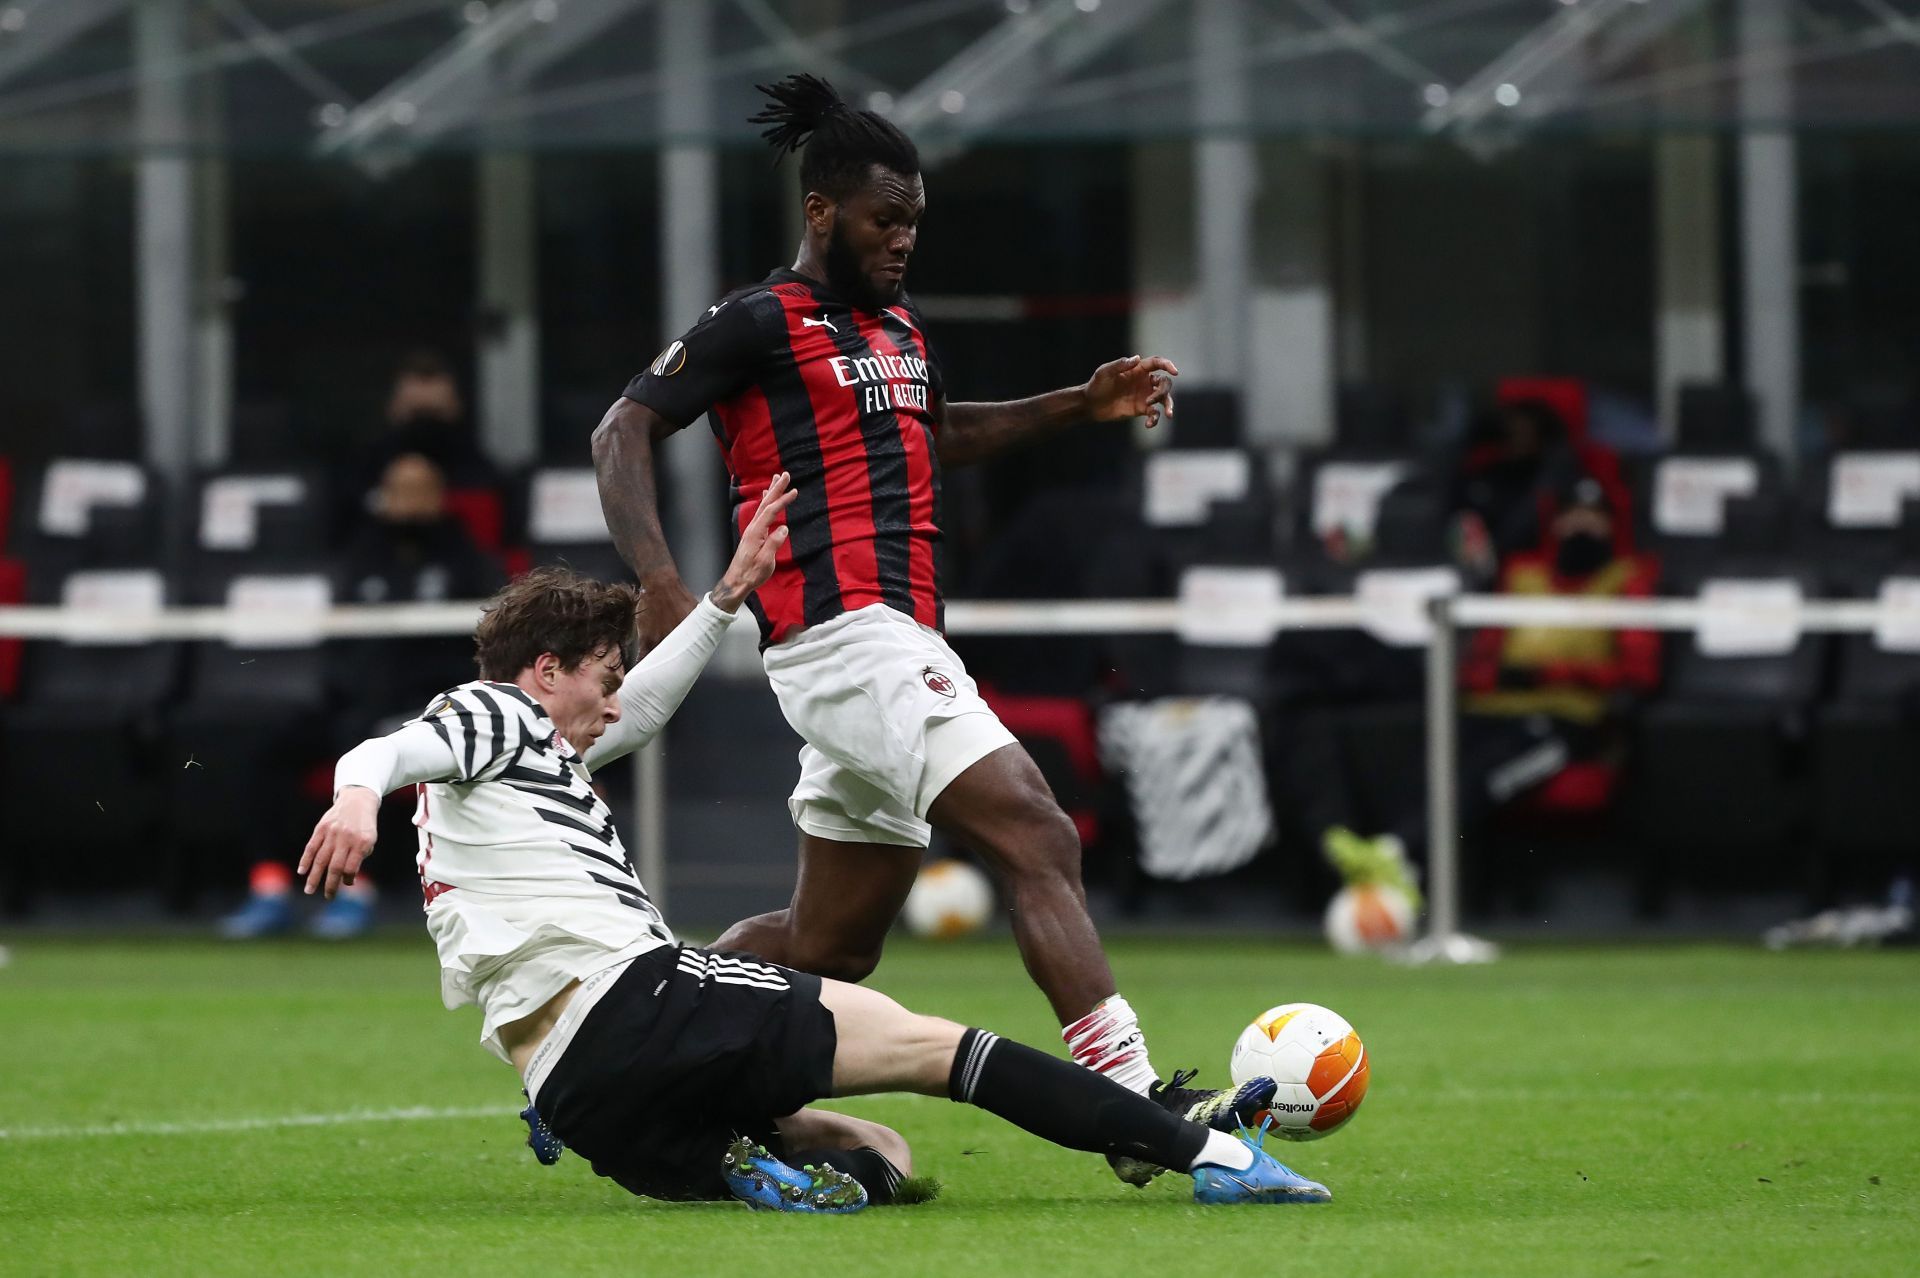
(1319, 1062)
(949, 899)
(1368, 917)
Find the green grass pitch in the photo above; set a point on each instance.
(1676, 1110)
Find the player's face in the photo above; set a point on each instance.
(586, 699)
(874, 231)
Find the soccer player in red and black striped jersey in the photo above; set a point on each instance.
(824, 370)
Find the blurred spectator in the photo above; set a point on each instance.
(426, 414)
(1516, 458)
(407, 551)
(1539, 700)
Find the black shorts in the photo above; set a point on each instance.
(689, 1049)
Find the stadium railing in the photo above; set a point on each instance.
(1438, 630)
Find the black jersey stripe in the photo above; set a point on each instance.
(796, 435)
(624, 894)
(887, 490)
(604, 834)
(519, 694)
(615, 862)
(469, 735)
(499, 739)
(630, 891)
(587, 804)
(441, 728)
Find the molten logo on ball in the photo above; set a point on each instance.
(1318, 1061)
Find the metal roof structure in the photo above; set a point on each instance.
(365, 78)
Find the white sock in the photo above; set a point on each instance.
(1108, 1041)
(1222, 1150)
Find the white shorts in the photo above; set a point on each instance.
(890, 718)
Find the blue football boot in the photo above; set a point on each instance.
(1267, 1181)
(764, 1183)
(546, 1146)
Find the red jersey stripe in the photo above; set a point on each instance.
(753, 458)
(842, 453)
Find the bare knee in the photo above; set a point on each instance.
(861, 1133)
(823, 956)
(827, 1129)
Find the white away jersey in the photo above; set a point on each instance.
(526, 880)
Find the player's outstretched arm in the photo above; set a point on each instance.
(656, 686)
(370, 771)
(623, 467)
(1137, 386)
(341, 841)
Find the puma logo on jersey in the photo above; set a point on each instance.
(818, 323)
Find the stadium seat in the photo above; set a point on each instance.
(564, 523)
(1866, 737)
(252, 721)
(99, 698)
(1718, 754)
(1850, 502)
(1369, 415)
(257, 517)
(1713, 417)
(75, 512)
(1209, 418)
(1684, 494)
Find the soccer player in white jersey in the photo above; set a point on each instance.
(681, 1073)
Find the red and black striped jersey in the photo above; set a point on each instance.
(793, 378)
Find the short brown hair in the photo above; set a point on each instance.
(554, 609)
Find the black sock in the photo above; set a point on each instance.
(1068, 1104)
(866, 1164)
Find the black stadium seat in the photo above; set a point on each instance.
(80, 788)
(252, 722)
(1866, 738)
(1717, 782)
(564, 523)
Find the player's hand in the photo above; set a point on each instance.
(759, 546)
(342, 840)
(1132, 387)
(665, 602)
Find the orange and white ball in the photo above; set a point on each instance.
(1314, 1055)
(949, 899)
(1368, 918)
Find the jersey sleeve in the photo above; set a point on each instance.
(484, 728)
(406, 756)
(656, 686)
(711, 362)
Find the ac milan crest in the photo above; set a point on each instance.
(937, 681)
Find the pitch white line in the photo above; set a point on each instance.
(415, 1114)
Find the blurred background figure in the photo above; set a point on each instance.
(407, 549)
(1545, 708)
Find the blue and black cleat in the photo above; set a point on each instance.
(764, 1183)
(546, 1146)
(1224, 1110)
(1267, 1181)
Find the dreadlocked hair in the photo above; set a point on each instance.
(838, 143)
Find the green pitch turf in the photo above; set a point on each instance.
(174, 1108)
